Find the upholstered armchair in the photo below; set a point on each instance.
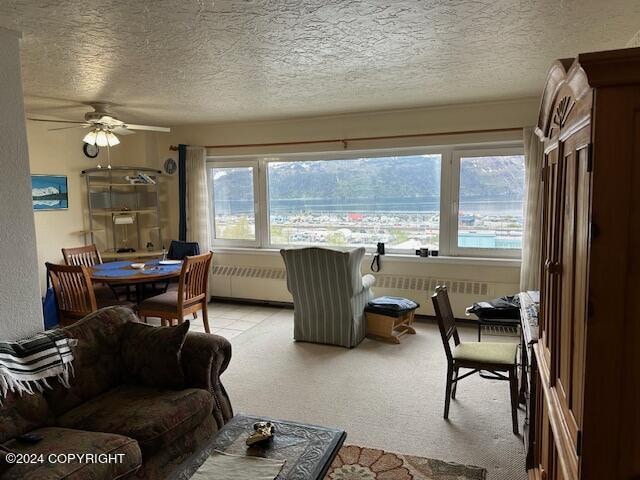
(329, 295)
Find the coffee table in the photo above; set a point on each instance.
(308, 450)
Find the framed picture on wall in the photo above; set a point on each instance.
(49, 192)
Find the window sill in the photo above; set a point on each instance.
(395, 257)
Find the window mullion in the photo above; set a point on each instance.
(262, 208)
(445, 203)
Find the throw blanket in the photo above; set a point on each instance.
(28, 363)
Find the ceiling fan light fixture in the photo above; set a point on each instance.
(90, 138)
(112, 140)
(101, 138)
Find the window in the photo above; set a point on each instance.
(462, 202)
(356, 202)
(490, 204)
(234, 203)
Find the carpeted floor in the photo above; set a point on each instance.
(385, 396)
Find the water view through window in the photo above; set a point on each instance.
(356, 202)
(363, 201)
(490, 203)
(233, 203)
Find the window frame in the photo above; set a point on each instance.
(450, 156)
(452, 248)
(229, 242)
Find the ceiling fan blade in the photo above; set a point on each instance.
(54, 121)
(147, 127)
(86, 125)
(122, 131)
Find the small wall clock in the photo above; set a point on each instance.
(90, 151)
(170, 166)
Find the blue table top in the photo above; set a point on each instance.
(123, 270)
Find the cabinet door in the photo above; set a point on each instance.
(552, 226)
(564, 296)
(568, 354)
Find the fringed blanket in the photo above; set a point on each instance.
(26, 364)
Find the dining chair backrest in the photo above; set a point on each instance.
(194, 279)
(87, 256)
(445, 318)
(178, 250)
(73, 289)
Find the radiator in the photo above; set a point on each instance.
(269, 284)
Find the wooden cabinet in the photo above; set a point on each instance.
(588, 357)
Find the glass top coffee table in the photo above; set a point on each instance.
(307, 449)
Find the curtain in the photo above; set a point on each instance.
(197, 200)
(531, 242)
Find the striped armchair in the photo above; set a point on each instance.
(329, 295)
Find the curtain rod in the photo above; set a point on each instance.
(344, 141)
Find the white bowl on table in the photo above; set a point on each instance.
(137, 266)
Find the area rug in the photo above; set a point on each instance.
(360, 463)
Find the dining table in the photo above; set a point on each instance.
(122, 273)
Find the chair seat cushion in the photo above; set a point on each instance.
(154, 417)
(106, 298)
(60, 441)
(165, 302)
(486, 352)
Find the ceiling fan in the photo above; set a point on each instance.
(104, 125)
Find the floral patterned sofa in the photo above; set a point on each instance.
(153, 429)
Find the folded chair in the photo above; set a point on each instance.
(476, 356)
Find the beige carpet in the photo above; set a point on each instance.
(385, 396)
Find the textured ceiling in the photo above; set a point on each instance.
(176, 61)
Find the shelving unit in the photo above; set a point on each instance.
(112, 198)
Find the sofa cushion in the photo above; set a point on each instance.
(4, 465)
(151, 355)
(60, 441)
(154, 417)
(96, 358)
(22, 413)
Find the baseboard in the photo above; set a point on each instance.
(251, 301)
(289, 305)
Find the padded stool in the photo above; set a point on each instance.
(388, 318)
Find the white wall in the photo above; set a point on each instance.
(20, 306)
(456, 118)
(60, 153)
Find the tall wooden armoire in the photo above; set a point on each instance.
(587, 413)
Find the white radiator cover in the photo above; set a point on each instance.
(269, 283)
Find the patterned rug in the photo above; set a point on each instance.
(359, 463)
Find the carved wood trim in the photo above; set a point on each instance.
(565, 78)
(563, 109)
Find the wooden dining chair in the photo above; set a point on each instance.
(476, 356)
(190, 297)
(74, 291)
(87, 256)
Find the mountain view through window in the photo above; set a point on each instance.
(357, 202)
(363, 201)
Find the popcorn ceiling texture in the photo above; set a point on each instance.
(173, 61)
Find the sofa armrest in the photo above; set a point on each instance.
(204, 358)
(368, 281)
